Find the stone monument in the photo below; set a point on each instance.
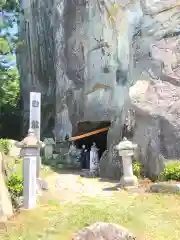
(48, 148)
(126, 151)
(35, 122)
(94, 158)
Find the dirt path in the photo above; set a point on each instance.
(70, 187)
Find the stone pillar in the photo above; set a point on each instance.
(30, 147)
(126, 151)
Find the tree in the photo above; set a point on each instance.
(9, 76)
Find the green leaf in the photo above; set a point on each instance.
(4, 46)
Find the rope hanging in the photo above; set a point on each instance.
(89, 134)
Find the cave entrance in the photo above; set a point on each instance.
(99, 138)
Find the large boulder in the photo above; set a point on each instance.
(155, 98)
(6, 209)
(157, 124)
(83, 56)
(104, 231)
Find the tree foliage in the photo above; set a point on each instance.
(9, 76)
(10, 5)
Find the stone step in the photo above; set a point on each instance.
(88, 173)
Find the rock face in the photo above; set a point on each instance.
(83, 56)
(104, 231)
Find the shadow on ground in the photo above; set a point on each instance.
(111, 189)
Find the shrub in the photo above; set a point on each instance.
(15, 187)
(171, 172)
(137, 169)
(5, 145)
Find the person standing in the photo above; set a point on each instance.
(83, 157)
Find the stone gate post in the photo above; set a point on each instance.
(30, 147)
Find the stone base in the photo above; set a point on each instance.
(128, 182)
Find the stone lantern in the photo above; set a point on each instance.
(30, 146)
(126, 151)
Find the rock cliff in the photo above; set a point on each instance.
(84, 56)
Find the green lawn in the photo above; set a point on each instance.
(150, 216)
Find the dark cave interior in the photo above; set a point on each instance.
(100, 138)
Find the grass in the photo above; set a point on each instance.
(150, 216)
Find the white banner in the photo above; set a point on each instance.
(35, 113)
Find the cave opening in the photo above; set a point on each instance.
(100, 138)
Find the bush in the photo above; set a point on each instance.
(15, 187)
(137, 169)
(5, 145)
(171, 172)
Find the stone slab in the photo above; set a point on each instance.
(165, 188)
